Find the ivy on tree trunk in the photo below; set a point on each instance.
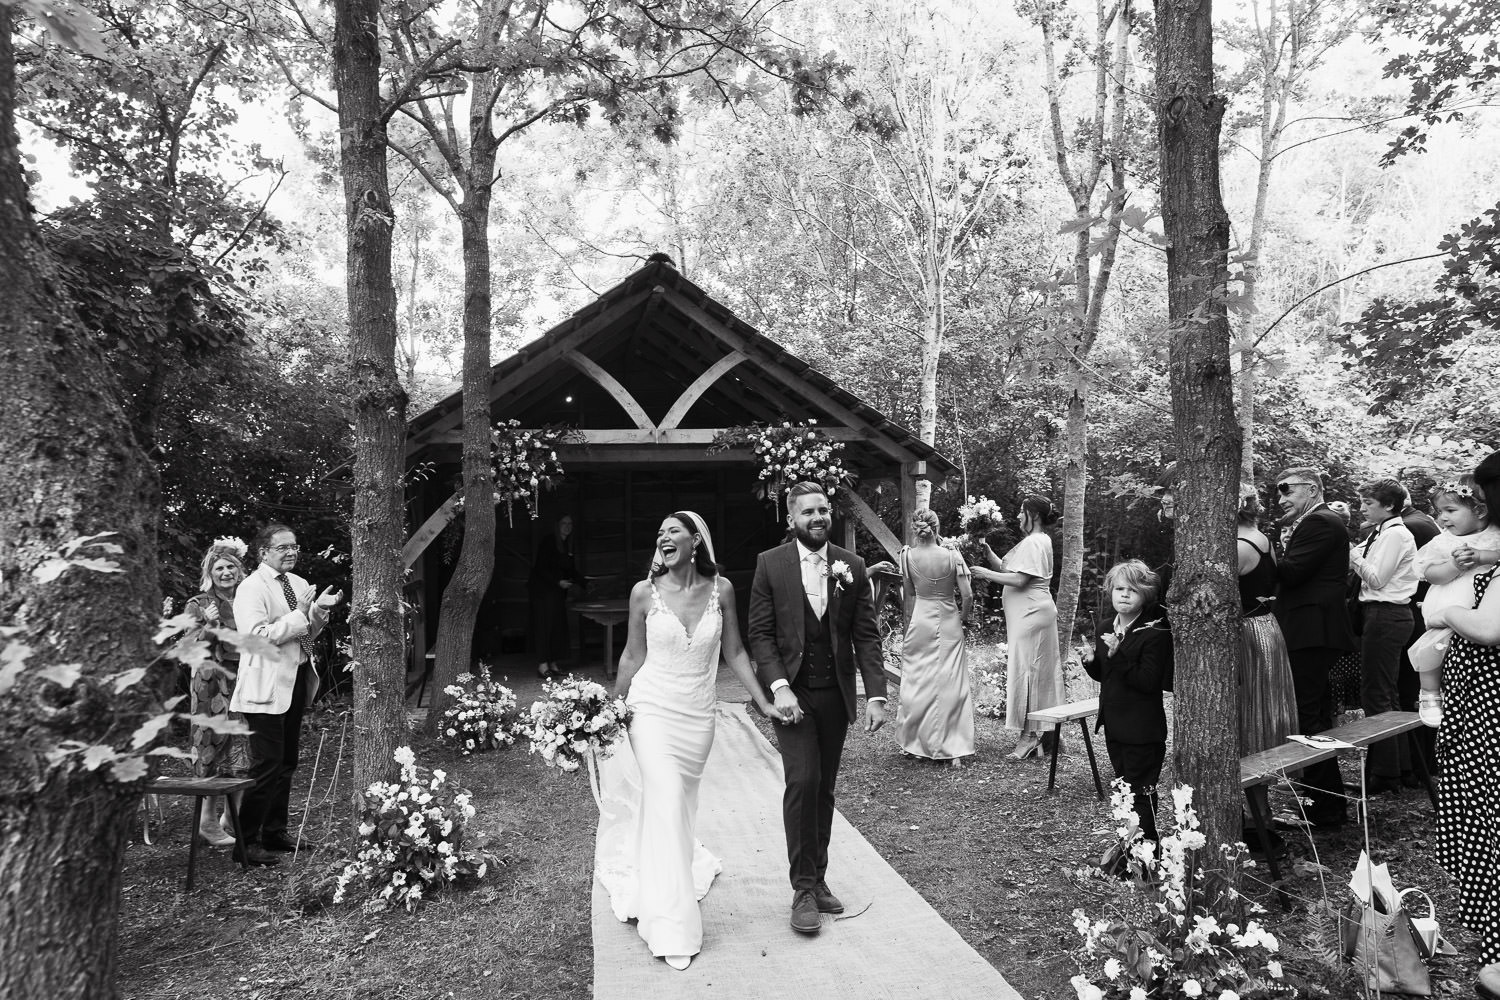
(1204, 598)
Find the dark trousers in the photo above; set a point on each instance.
(1387, 632)
(1324, 784)
(273, 759)
(1140, 765)
(810, 752)
(1408, 686)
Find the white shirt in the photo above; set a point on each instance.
(1387, 564)
(814, 563)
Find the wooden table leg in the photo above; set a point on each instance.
(1088, 744)
(1262, 827)
(1056, 746)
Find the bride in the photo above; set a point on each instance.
(647, 854)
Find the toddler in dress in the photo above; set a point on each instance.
(1449, 563)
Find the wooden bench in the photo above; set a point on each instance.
(1267, 766)
(1056, 717)
(200, 789)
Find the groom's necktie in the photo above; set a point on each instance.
(291, 602)
(812, 581)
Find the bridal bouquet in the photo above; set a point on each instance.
(979, 517)
(1179, 932)
(576, 717)
(411, 835)
(482, 714)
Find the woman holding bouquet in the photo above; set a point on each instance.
(1033, 672)
(649, 858)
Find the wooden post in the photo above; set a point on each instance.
(909, 472)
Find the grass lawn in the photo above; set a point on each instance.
(1001, 860)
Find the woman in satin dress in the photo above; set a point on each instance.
(936, 716)
(647, 854)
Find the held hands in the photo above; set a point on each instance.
(874, 715)
(784, 707)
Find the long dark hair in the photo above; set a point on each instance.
(1040, 509)
(704, 565)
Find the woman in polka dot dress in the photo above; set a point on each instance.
(1468, 747)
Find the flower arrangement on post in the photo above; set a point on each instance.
(482, 716)
(411, 836)
(790, 453)
(577, 718)
(525, 462)
(1182, 932)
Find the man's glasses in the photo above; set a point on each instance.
(1285, 488)
(286, 548)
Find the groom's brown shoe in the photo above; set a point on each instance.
(827, 902)
(805, 919)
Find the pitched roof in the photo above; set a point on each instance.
(655, 333)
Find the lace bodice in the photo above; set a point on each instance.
(680, 667)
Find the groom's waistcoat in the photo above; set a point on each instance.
(817, 651)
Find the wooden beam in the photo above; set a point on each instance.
(611, 385)
(650, 454)
(636, 435)
(700, 385)
(873, 524)
(796, 386)
(430, 529)
(908, 497)
(538, 358)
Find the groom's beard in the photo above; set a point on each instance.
(807, 537)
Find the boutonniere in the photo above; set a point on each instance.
(839, 572)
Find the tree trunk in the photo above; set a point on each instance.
(932, 352)
(1075, 486)
(1204, 598)
(377, 531)
(476, 557)
(71, 470)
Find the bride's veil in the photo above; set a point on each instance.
(700, 527)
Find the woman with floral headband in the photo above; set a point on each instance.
(216, 754)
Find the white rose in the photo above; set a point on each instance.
(1190, 988)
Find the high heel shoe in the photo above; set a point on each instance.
(215, 835)
(678, 962)
(1029, 746)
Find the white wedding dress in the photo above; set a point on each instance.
(647, 854)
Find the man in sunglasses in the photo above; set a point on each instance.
(1310, 610)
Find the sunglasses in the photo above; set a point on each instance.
(1285, 488)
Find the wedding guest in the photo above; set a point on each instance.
(1267, 699)
(275, 688)
(1033, 670)
(1132, 661)
(554, 577)
(1468, 747)
(1386, 566)
(1424, 528)
(215, 753)
(1310, 609)
(936, 716)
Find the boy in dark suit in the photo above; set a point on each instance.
(1132, 661)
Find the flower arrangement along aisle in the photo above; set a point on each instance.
(411, 835)
(1181, 932)
(790, 453)
(482, 716)
(575, 720)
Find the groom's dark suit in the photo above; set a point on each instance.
(818, 658)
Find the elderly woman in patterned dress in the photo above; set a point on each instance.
(1468, 745)
(216, 754)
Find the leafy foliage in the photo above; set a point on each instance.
(1457, 57)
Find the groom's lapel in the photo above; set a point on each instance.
(790, 591)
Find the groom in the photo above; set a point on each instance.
(811, 624)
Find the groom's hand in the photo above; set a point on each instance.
(874, 715)
(787, 709)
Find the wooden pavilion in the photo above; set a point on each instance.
(649, 373)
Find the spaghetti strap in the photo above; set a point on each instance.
(1263, 552)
